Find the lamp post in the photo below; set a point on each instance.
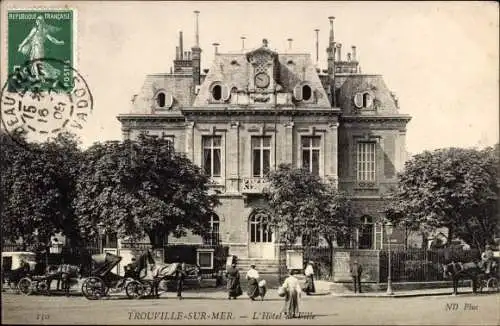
(100, 231)
(388, 231)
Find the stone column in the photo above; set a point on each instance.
(233, 155)
(288, 144)
(190, 140)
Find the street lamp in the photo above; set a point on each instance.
(388, 231)
(100, 231)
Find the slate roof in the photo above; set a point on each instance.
(375, 85)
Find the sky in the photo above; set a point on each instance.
(440, 58)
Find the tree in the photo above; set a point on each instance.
(142, 188)
(303, 205)
(37, 188)
(453, 188)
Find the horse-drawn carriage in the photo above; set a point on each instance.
(101, 280)
(15, 266)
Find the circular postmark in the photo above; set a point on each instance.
(38, 106)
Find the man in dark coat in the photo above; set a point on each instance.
(356, 271)
(180, 274)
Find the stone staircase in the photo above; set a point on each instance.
(263, 266)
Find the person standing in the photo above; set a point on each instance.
(180, 276)
(233, 281)
(356, 271)
(293, 292)
(253, 283)
(309, 273)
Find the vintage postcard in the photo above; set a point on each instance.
(249, 162)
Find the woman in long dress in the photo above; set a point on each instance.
(309, 272)
(253, 283)
(292, 296)
(233, 282)
(33, 47)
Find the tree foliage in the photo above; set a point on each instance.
(37, 188)
(142, 188)
(302, 205)
(454, 188)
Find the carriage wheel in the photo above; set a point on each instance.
(42, 287)
(25, 286)
(94, 288)
(493, 284)
(137, 290)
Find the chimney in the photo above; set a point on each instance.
(339, 53)
(181, 50)
(196, 31)
(317, 45)
(354, 53)
(332, 36)
(349, 56)
(216, 47)
(196, 54)
(177, 56)
(243, 42)
(290, 40)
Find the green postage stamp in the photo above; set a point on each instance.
(41, 49)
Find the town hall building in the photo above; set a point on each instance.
(255, 109)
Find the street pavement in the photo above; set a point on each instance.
(213, 308)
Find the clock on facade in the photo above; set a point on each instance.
(262, 80)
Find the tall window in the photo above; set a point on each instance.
(213, 236)
(366, 233)
(212, 155)
(260, 229)
(261, 153)
(366, 161)
(310, 154)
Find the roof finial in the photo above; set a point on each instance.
(290, 40)
(243, 38)
(197, 34)
(216, 46)
(317, 45)
(265, 42)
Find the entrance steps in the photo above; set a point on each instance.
(266, 266)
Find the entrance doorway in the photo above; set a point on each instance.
(261, 236)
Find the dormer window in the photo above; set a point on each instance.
(217, 92)
(160, 100)
(363, 100)
(303, 92)
(163, 99)
(306, 92)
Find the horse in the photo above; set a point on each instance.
(157, 272)
(459, 271)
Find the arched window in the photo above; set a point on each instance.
(260, 228)
(160, 99)
(217, 92)
(306, 92)
(213, 236)
(366, 233)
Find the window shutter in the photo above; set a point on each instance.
(358, 100)
(226, 92)
(297, 92)
(169, 100)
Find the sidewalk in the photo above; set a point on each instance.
(405, 294)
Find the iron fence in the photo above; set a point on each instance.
(422, 265)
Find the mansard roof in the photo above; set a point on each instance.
(384, 99)
(176, 85)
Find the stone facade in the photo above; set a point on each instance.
(256, 109)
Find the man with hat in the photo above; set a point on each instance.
(356, 271)
(309, 273)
